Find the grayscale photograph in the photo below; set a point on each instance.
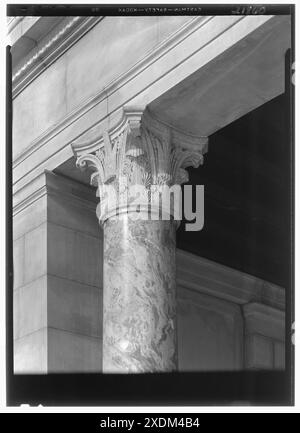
(152, 196)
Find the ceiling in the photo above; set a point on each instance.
(239, 80)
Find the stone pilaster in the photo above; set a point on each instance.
(133, 164)
(57, 278)
(264, 337)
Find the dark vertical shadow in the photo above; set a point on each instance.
(9, 238)
(289, 220)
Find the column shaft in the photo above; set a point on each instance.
(139, 305)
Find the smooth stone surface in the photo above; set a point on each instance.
(135, 36)
(35, 256)
(210, 333)
(70, 352)
(30, 218)
(74, 255)
(18, 262)
(30, 353)
(74, 307)
(62, 211)
(259, 353)
(243, 77)
(139, 304)
(40, 105)
(279, 355)
(30, 307)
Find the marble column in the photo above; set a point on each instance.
(134, 163)
(139, 296)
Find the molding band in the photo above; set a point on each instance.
(61, 41)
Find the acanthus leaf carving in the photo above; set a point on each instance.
(182, 159)
(142, 151)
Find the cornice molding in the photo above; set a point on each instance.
(44, 49)
(87, 104)
(49, 183)
(200, 274)
(255, 309)
(13, 22)
(264, 320)
(54, 46)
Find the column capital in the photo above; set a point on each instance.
(139, 150)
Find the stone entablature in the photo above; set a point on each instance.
(62, 34)
(194, 46)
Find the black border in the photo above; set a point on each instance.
(132, 9)
(217, 388)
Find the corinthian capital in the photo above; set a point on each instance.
(139, 151)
